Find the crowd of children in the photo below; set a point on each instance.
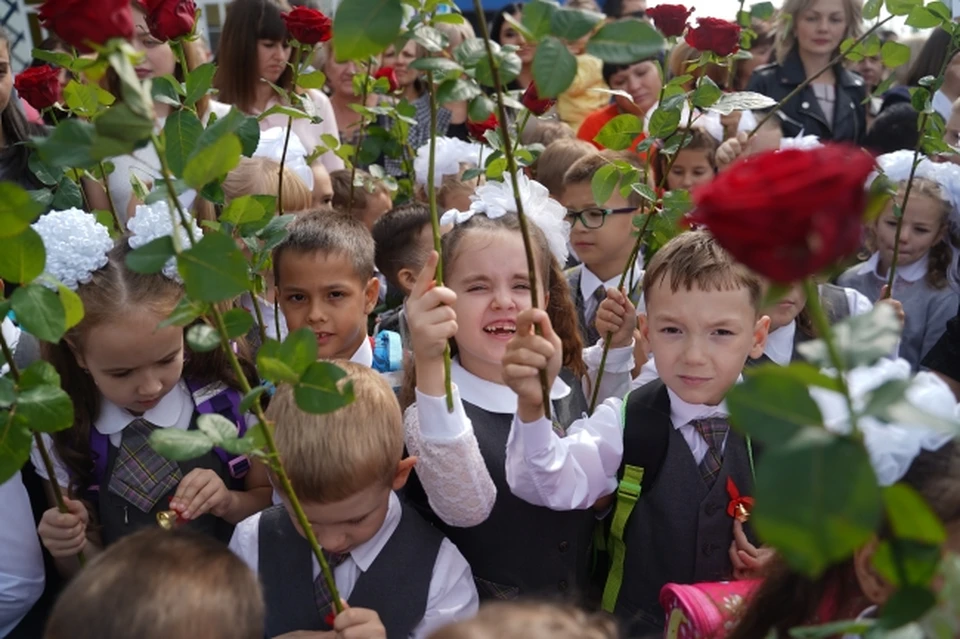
(502, 517)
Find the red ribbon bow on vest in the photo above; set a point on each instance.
(739, 507)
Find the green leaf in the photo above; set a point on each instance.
(245, 127)
(742, 101)
(318, 390)
(202, 338)
(508, 67)
(805, 373)
(817, 500)
(152, 256)
(15, 443)
(894, 54)
(364, 28)
(537, 17)
(620, 132)
(213, 162)
(554, 67)
(907, 604)
(238, 322)
(217, 428)
(85, 99)
(44, 408)
(40, 312)
(185, 313)
(457, 90)
(72, 306)
(180, 445)
(664, 122)
(199, 82)
(242, 210)
(480, 108)
(22, 257)
(855, 627)
(68, 195)
(70, 144)
(246, 404)
(165, 89)
(910, 516)
(122, 124)
(17, 210)
(312, 80)
(861, 340)
(871, 9)
(906, 563)
(706, 94)
(181, 132)
(772, 409)
(214, 270)
(603, 183)
(299, 350)
(253, 440)
(902, 7)
(437, 65)
(626, 41)
(272, 367)
(572, 24)
(429, 38)
(762, 10)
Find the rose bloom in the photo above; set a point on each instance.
(716, 35)
(170, 19)
(478, 129)
(82, 22)
(532, 100)
(670, 19)
(788, 214)
(39, 86)
(391, 75)
(308, 26)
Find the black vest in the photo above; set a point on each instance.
(396, 585)
(679, 530)
(573, 281)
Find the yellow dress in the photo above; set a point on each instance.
(578, 101)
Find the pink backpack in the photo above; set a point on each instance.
(704, 611)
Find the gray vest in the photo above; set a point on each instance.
(286, 572)
(679, 531)
(573, 280)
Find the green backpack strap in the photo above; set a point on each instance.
(627, 494)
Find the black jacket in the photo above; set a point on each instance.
(803, 113)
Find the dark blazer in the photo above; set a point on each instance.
(803, 113)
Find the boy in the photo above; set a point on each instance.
(602, 236)
(703, 322)
(371, 199)
(158, 584)
(696, 162)
(383, 555)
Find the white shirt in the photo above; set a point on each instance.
(21, 561)
(942, 105)
(452, 595)
(909, 273)
(364, 354)
(11, 335)
(309, 133)
(589, 283)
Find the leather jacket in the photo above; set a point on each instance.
(802, 114)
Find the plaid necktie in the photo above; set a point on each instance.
(591, 328)
(321, 592)
(141, 476)
(713, 430)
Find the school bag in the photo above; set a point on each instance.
(707, 610)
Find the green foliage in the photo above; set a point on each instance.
(620, 132)
(861, 340)
(626, 41)
(214, 270)
(22, 256)
(151, 257)
(39, 311)
(181, 132)
(17, 209)
(213, 162)
(772, 407)
(603, 183)
(554, 67)
(364, 28)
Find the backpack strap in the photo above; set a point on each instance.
(99, 446)
(218, 398)
(646, 433)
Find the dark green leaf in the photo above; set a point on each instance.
(40, 312)
(480, 108)
(894, 54)
(245, 127)
(861, 340)
(199, 82)
(246, 404)
(67, 195)
(275, 231)
(202, 338)
(253, 440)
(603, 183)
(238, 322)
(214, 269)
(706, 94)
(180, 445)
(243, 209)
(213, 162)
(318, 390)
(429, 38)
(86, 99)
(185, 313)
(871, 9)
(70, 144)
(166, 89)
(364, 28)
(772, 409)
(151, 257)
(457, 90)
(626, 41)
(272, 367)
(508, 67)
(45, 408)
(664, 122)
(907, 604)
(902, 7)
(17, 209)
(572, 24)
(537, 17)
(620, 132)
(48, 175)
(15, 443)
(22, 257)
(910, 516)
(554, 67)
(8, 394)
(121, 123)
(906, 563)
(762, 10)
(437, 65)
(181, 132)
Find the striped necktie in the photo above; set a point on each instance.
(321, 591)
(714, 431)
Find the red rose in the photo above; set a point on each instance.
(670, 19)
(40, 86)
(713, 34)
(170, 19)
(788, 214)
(391, 75)
(478, 129)
(532, 100)
(308, 26)
(82, 22)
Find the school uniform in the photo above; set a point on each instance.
(588, 290)
(408, 572)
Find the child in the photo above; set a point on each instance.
(157, 584)
(704, 321)
(696, 162)
(602, 235)
(769, 137)
(322, 186)
(926, 264)
(127, 377)
(556, 160)
(531, 620)
(514, 548)
(452, 158)
(371, 199)
(395, 570)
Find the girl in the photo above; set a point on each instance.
(926, 264)
(253, 54)
(127, 378)
(503, 33)
(461, 454)
(696, 162)
(14, 128)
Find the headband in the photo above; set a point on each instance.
(495, 199)
(153, 221)
(76, 246)
(271, 147)
(450, 154)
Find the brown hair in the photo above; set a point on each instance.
(557, 159)
(585, 168)
(696, 259)
(159, 584)
(694, 139)
(327, 457)
(395, 235)
(333, 232)
(560, 307)
(531, 620)
(788, 599)
(365, 187)
(248, 22)
(787, 18)
(545, 132)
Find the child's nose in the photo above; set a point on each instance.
(502, 298)
(150, 386)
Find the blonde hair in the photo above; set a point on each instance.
(546, 132)
(261, 176)
(786, 40)
(452, 185)
(332, 456)
(463, 30)
(531, 620)
(556, 159)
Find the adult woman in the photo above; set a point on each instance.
(343, 98)
(832, 107)
(14, 128)
(253, 55)
(503, 33)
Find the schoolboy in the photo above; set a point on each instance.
(158, 584)
(703, 322)
(371, 199)
(345, 466)
(601, 234)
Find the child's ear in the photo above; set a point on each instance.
(403, 472)
(874, 587)
(371, 295)
(407, 278)
(760, 332)
(643, 326)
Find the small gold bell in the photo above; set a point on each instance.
(167, 519)
(742, 514)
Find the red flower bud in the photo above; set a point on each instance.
(170, 19)
(308, 26)
(716, 35)
(670, 19)
(532, 100)
(390, 74)
(81, 23)
(40, 86)
(788, 214)
(478, 129)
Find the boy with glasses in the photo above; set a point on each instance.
(602, 236)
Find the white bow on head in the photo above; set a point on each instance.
(271, 147)
(450, 154)
(76, 245)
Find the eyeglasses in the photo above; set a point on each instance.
(593, 217)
